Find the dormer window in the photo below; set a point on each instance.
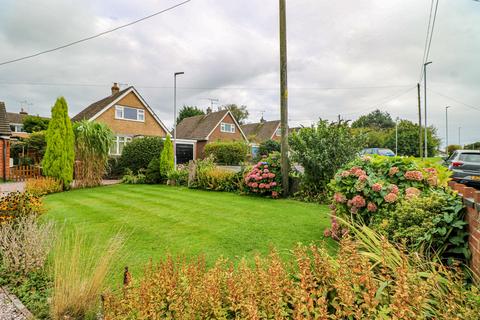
(127, 113)
(227, 127)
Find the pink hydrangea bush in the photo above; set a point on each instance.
(264, 178)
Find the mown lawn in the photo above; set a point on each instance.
(161, 220)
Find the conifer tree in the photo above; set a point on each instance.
(166, 158)
(59, 155)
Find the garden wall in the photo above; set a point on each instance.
(471, 198)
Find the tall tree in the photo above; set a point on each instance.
(408, 139)
(375, 119)
(166, 158)
(59, 154)
(240, 113)
(34, 124)
(189, 111)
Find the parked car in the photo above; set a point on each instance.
(465, 165)
(379, 151)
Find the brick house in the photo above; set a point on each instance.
(127, 114)
(5, 134)
(260, 132)
(204, 129)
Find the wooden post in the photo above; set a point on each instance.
(420, 144)
(284, 97)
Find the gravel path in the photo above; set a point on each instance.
(8, 310)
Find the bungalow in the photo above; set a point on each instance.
(261, 132)
(127, 114)
(15, 121)
(204, 129)
(5, 134)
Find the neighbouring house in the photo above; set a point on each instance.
(194, 133)
(260, 132)
(127, 114)
(15, 120)
(5, 134)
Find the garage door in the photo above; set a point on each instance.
(184, 152)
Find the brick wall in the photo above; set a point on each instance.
(7, 160)
(472, 202)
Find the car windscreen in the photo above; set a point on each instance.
(470, 157)
(385, 152)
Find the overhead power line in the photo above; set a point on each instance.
(456, 100)
(429, 35)
(94, 36)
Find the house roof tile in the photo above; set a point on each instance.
(199, 127)
(96, 107)
(261, 131)
(4, 126)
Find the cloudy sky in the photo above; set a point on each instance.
(345, 57)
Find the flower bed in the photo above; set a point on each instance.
(265, 177)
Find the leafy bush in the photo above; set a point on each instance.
(138, 153)
(322, 150)
(381, 192)
(452, 148)
(179, 177)
(265, 177)
(228, 153)
(19, 204)
(167, 160)
(267, 147)
(408, 139)
(42, 186)
(152, 174)
(25, 244)
(131, 178)
(358, 283)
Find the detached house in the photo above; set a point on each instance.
(127, 114)
(261, 132)
(204, 129)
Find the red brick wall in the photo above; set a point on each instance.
(7, 160)
(473, 219)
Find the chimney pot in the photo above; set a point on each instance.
(115, 88)
(22, 111)
(209, 110)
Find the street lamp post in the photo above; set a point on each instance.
(425, 98)
(446, 129)
(396, 136)
(175, 116)
(459, 140)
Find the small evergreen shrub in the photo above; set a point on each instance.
(152, 174)
(42, 186)
(167, 160)
(138, 153)
(131, 178)
(267, 147)
(179, 177)
(227, 153)
(265, 177)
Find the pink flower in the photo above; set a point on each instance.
(273, 184)
(271, 175)
(431, 170)
(267, 185)
(358, 201)
(412, 192)
(261, 185)
(254, 185)
(363, 177)
(265, 175)
(266, 170)
(259, 164)
(339, 197)
(345, 174)
(274, 194)
(390, 198)
(265, 166)
(394, 188)
(372, 207)
(357, 171)
(414, 175)
(327, 233)
(377, 187)
(349, 203)
(393, 171)
(354, 210)
(258, 178)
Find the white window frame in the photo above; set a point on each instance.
(121, 109)
(18, 127)
(116, 144)
(223, 127)
(278, 132)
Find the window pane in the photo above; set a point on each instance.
(141, 115)
(130, 113)
(119, 112)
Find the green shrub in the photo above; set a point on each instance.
(265, 177)
(267, 147)
(322, 150)
(228, 153)
(138, 153)
(152, 174)
(59, 154)
(167, 163)
(180, 176)
(131, 178)
(452, 148)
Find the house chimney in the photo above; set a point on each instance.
(22, 111)
(115, 88)
(209, 110)
(262, 120)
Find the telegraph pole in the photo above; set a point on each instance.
(419, 122)
(425, 104)
(284, 97)
(446, 129)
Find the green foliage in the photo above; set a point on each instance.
(228, 153)
(130, 178)
(35, 124)
(408, 139)
(92, 144)
(454, 147)
(179, 177)
(267, 147)
(152, 174)
(29, 150)
(240, 113)
(17, 204)
(265, 178)
(374, 138)
(375, 120)
(138, 153)
(59, 154)
(322, 150)
(167, 163)
(473, 146)
(189, 111)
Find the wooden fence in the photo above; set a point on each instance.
(22, 173)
